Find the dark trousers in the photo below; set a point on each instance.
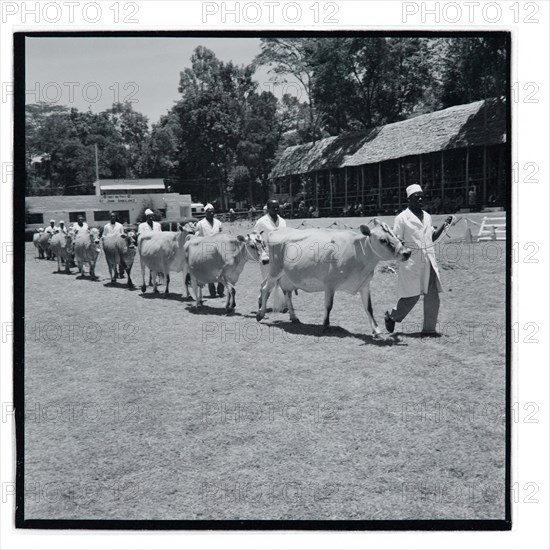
(212, 289)
(431, 305)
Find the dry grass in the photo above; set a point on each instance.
(402, 428)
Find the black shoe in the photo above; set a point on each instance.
(389, 322)
(430, 334)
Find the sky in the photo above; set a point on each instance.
(95, 72)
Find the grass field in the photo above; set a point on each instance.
(139, 407)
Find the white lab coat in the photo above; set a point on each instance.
(110, 229)
(263, 226)
(77, 227)
(146, 228)
(204, 229)
(414, 274)
(51, 230)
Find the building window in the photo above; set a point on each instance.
(35, 218)
(102, 216)
(73, 216)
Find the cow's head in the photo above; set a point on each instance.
(255, 246)
(94, 237)
(384, 243)
(130, 238)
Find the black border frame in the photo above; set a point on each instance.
(19, 311)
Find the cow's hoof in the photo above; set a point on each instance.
(131, 287)
(143, 288)
(259, 316)
(156, 291)
(295, 320)
(229, 310)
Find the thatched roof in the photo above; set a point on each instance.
(474, 124)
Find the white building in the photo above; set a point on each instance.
(126, 197)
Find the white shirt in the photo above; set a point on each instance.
(63, 229)
(51, 230)
(77, 227)
(113, 229)
(414, 274)
(205, 229)
(146, 228)
(266, 224)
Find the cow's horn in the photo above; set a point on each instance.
(365, 230)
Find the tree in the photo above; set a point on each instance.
(473, 69)
(294, 56)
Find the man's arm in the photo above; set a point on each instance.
(436, 234)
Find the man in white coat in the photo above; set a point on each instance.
(270, 222)
(113, 227)
(80, 225)
(149, 224)
(207, 227)
(419, 275)
(52, 228)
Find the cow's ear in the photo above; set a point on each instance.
(124, 236)
(365, 230)
(240, 238)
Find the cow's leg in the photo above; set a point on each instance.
(130, 283)
(196, 291)
(67, 264)
(58, 264)
(230, 303)
(155, 278)
(167, 282)
(290, 305)
(186, 281)
(143, 285)
(367, 304)
(110, 272)
(267, 287)
(329, 301)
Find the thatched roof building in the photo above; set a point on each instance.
(475, 124)
(446, 151)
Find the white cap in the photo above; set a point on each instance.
(415, 188)
(61, 221)
(149, 212)
(52, 221)
(208, 207)
(40, 229)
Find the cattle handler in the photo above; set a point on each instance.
(207, 227)
(419, 275)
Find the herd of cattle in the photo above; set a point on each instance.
(312, 260)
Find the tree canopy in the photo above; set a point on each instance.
(220, 140)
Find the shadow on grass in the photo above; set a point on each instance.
(162, 296)
(421, 335)
(207, 310)
(123, 286)
(304, 329)
(87, 278)
(62, 272)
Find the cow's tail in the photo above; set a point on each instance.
(279, 300)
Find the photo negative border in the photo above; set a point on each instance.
(19, 309)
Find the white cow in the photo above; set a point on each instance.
(316, 260)
(61, 244)
(162, 252)
(36, 241)
(120, 250)
(87, 249)
(219, 258)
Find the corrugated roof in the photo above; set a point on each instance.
(123, 184)
(473, 124)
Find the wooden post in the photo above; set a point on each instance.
(330, 187)
(399, 181)
(484, 193)
(316, 192)
(442, 177)
(291, 197)
(363, 185)
(346, 187)
(467, 185)
(380, 185)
